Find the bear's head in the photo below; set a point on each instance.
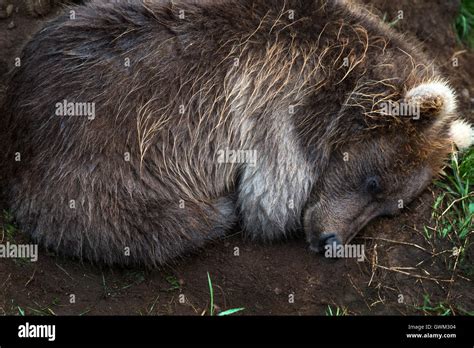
(388, 160)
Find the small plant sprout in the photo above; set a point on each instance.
(440, 309)
(453, 209)
(211, 307)
(336, 312)
(465, 23)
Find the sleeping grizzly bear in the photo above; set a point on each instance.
(139, 130)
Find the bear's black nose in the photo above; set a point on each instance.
(326, 239)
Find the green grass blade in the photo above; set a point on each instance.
(230, 311)
(211, 293)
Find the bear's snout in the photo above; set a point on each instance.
(325, 240)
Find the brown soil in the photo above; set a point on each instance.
(402, 266)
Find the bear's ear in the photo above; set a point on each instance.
(462, 134)
(432, 99)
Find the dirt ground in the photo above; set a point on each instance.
(401, 268)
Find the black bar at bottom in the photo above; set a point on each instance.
(451, 331)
